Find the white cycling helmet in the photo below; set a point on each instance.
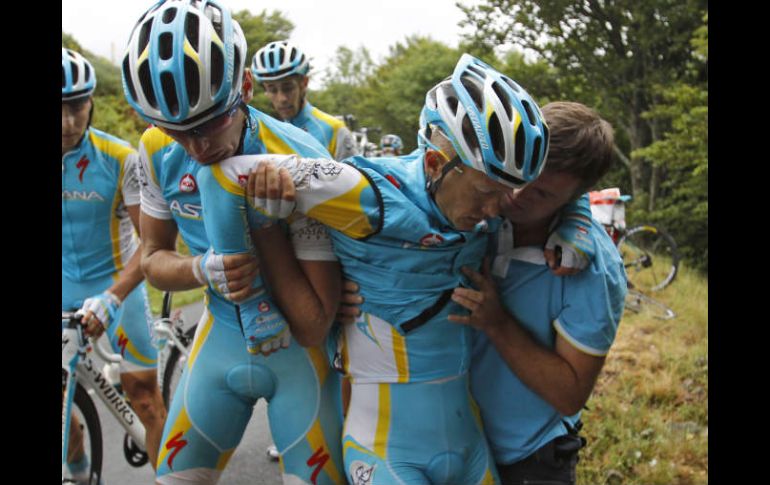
(493, 124)
(78, 78)
(184, 63)
(278, 60)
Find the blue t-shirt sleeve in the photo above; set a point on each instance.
(593, 302)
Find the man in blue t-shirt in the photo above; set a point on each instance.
(543, 338)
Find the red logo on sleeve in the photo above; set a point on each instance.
(187, 183)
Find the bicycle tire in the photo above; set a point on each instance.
(638, 302)
(172, 371)
(92, 432)
(641, 247)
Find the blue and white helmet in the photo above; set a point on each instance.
(391, 141)
(184, 63)
(493, 124)
(278, 60)
(78, 78)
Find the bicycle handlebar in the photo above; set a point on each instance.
(73, 320)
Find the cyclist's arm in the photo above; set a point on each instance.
(163, 266)
(132, 274)
(307, 290)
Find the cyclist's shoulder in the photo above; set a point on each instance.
(330, 120)
(110, 145)
(154, 140)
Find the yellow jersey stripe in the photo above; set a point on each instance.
(273, 143)
(224, 458)
(344, 212)
(383, 421)
(316, 440)
(131, 348)
(400, 356)
(181, 425)
(225, 182)
(318, 358)
(198, 342)
(334, 123)
(153, 141)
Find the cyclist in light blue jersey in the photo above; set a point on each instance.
(403, 227)
(100, 248)
(543, 339)
(282, 70)
(184, 72)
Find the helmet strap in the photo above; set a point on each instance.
(246, 126)
(432, 186)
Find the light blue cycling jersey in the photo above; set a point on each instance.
(330, 131)
(584, 309)
(222, 381)
(98, 182)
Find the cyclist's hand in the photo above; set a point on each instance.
(229, 275)
(280, 341)
(486, 310)
(271, 191)
(349, 310)
(98, 312)
(569, 248)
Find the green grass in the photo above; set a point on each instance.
(647, 421)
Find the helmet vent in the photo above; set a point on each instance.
(166, 45)
(469, 134)
(236, 63)
(533, 163)
(86, 73)
(146, 84)
(530, 114)
(512, 84)
(477, 70)
(144, 36)
(168, 15)
(75, 74)
(453, 102)
(192, 81)
(503, 98)
(191, 30)
(473, 90)
(215, 14)
(128, 78)
(518, 156)
(281, 56)
(217, 68)
(496, 136)
(169, 92)
(263, 58)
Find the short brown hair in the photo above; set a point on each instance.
(581, 142)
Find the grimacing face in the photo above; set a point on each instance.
(74, 121)
(541, 199)
(468, 196)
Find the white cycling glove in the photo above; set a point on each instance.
(104, 307)
(209, 269)
(275, 208)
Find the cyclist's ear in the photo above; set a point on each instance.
(247, 89)
(434, 160)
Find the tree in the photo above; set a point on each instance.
(261, 29)
(612, 52)
(344, 81)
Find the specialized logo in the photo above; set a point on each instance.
(477, 128)
(176, 444)
(122, 341)
(431, 240)
(82, 164)
(187, 183)
(81, 195)
(318, 460)
(361, 473)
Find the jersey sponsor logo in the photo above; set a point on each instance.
(318, 460)
(82, 165)
(142, 175)
(242, 180)
(81, 195)
(175, 443)
(361, 473)
(329, 170)
(431, 240)
(186, 210)
(187, 183)
(264, 307)
(393, 180)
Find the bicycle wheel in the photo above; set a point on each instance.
(172, 371)
(650, 257)
(638, 302)
(85, 415)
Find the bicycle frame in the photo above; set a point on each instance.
(78, 364)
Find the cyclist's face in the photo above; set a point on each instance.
(214, 140)
(468, 196)
(287, 95)
(74, 121)
(541, 199)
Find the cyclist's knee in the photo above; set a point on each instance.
(142, 390)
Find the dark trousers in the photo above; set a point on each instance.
(552, 464)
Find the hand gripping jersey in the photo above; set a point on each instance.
(330, 131)
(98, 182)
(222, 381)
(98, 238)
(584, 309)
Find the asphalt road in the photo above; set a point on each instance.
(248, 465)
